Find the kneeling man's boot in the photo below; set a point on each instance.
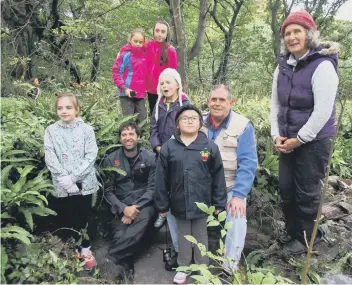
(285, 238)
(171, 264)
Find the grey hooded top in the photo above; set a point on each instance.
(71, 149)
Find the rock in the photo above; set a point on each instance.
(333, 181)
(336, 279)
(346, 206)
(332, 212)
(348, 181)
(343, 186)
(348, 221)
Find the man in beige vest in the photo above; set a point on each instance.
(235, 137)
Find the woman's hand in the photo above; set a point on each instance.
(288, 145)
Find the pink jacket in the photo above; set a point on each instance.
(153, 50)
(129, 70)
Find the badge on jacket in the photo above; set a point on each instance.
(205, 155)
(117, 163)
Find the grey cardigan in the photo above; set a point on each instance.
(71, 150)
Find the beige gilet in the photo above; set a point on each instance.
(227, 142)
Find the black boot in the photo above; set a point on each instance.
(285, 238)
(171, 263)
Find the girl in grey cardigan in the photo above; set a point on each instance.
(70, 154)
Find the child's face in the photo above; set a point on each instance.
(137, 40)
(188, 122)
(66, 110)
(160, 32)
(169, 86)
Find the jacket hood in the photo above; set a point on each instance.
(181, 99)
(200, 140)
(329, 47)
(78, 122)
(129, 47)
(184, 98)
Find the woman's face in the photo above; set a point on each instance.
(160, 32)
(295, 38)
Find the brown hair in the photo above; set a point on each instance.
(136, 31)
(164, 50)
(73, 99)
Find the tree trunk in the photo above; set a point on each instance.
(275, 28)
(202, 21)
(220, 75)
(95, 58)
(175, 6)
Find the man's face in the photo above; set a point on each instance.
(129, 139)
(219, 103)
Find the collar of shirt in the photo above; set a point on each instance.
(210, 123)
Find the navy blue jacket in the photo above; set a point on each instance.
(137, 187)
(189, 174)
(163, 128)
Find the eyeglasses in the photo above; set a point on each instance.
(187, 119)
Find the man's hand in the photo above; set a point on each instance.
(237, 207)
(126, 220)
(131, 211)
(289, 145)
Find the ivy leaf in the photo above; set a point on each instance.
(213, 223)
(4, 260)
(223, 233)
(118, 170)
(210, 218)
(269, 279)
(53, 256)
(201, 279)
(203, 207)
(222, 216)
(191, 239)
(228, 225)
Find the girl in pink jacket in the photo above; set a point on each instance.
(129, 74)
(160, 55)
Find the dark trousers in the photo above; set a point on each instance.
(72, 212)
(132, 106)
(129, 240)
(152, 98)
(301, 174)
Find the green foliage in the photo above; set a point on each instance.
(45, 260)
(24, 195)
(211, 275)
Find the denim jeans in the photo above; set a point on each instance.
(235, 238)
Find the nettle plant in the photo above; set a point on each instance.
(213, 274)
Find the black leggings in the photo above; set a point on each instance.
(152, 98)
(72, 212)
